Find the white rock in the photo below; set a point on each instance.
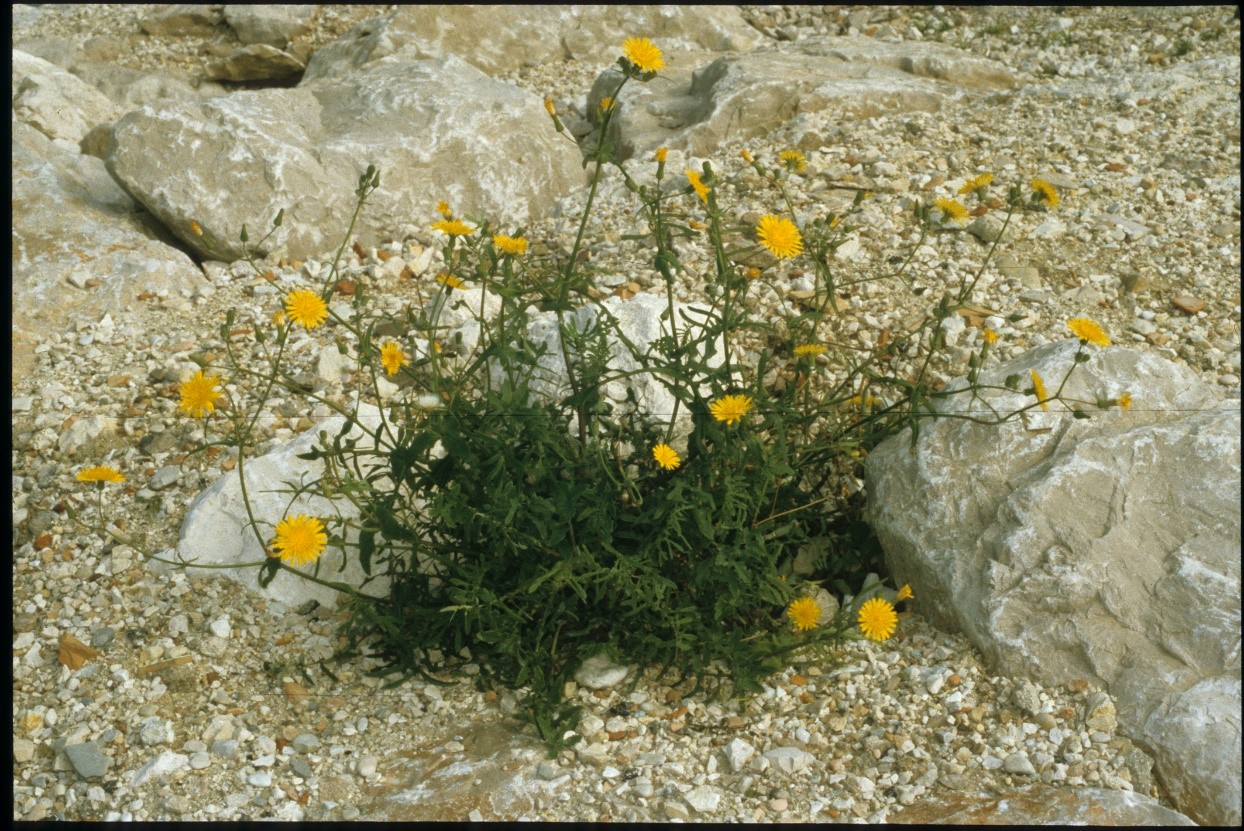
(738, 754)
(704, 799)
(599, 672)
(789, 759)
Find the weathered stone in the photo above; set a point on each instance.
(88, 760)
(257, 62)
(498, 39)
(73, 225)
(1067, 548)
(1038, 804)
(304, 149)
(183, 19)
(56, 103)
(130, 88)
(274, 25)
(704, 102)
(216, 526)
(599, 673)
(166, 763)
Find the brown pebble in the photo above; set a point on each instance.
(1077, 685)
(295, 692)
(1187, 304)
(799, 680)
(43, 541)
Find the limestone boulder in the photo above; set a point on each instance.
(498, 39)
(1105, 549)
(183, 19)
(82, 249)
(243, 157)
(130, 89)
(216, 528)
(256, 62)
(61, 106)
(706, 99)
(273, 25)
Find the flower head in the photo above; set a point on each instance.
(1038, 388)
(453, 227)
(808, 350)
(666, 456)
(746, 155)
(199, 394)
(279, 318)
(794, 161)
(877, 619)
(100, 473)
(300, 539)
(991, 337)
(196, 228)
(905, 593)
(1125, 401)
(804, 612)
(951, 209)
(730, 408)
(606, 104)
(392, 357)
(442, 207)
(701, 189)
(643, 53)
(306, 308)
(449, 280)
(976, 183)
(1044, 192)
(864, 401)
(780, 236)
(660, 154)
(1087, 330)
(515, 246)
(549, 108)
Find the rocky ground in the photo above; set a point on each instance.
(1132, 113)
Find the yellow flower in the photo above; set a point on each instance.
(278, 319)
(780, 236)
(804, 612)
(643, 53)
(951, 209)
(606, 104)
(449, 280)
(1038, 388)
(794, 161)
(1125, 401)
(701, 189)
(991, 337)
(976, 183)
(864, 401)
(100, 473)
(517, 246)
(730, 408)
(196, 228)
(666, 456)
(751, 273)
(877, 619)
(549, 108)
(660, 154)
(392, 357)
(306, 308)
(1044, 192)
(1087, 330)
(747, 156)
(199, 394)
(453, 227)
(442, 207)
(807, 350)
(300, 539)
(905, 593)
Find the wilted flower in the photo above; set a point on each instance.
(701, 189)
(1038, 388)
(660, 154)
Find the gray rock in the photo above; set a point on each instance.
(165, 477)
(1019, 763)
(257, 62)
(215, 529)
(71, 223)
(166, 763)
(738, 754)
(260, 779)
(1063, 549)
(183, 19)
(305, 741)
(200, 760)
(275, 25)
(301, 767)
(707, 99)
(599, 672)
(87, 759)
(56, 103)
(789, 759)
(304, 149)
(225, 748)
(527, 35)
(704, 799)
(155, 730)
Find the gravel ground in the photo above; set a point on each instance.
(205, 703)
